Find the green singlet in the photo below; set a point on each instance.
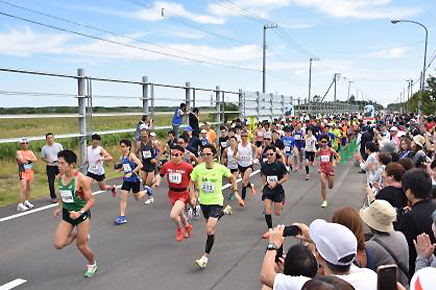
(72, 200)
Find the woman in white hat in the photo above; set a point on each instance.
(25, 159)
(420, 157)
(387, 246)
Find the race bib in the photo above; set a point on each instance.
(93, 167)
(67, 196)
(224, 144)
(127, 168)
(208, 187)
(28, 166)
(245, 157)
(146, 154)
(297, 137)
(175, 177)
(325, 158)
(287, 148)
(271, 179)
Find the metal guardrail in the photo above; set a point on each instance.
(261, 106)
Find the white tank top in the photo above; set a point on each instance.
(231, 161)
(95, 163)
(245, 155)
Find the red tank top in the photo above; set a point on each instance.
(326, 158)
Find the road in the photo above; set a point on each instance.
(143, 253)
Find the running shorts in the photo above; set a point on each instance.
(129, 185)
(242, 169)
(96, 177)
(310, 156)
(234, 170)
(327, 171)
(211, 210)
(275, 195)
(26, 175)
(148, 167)
(66, 217)
(175, 196)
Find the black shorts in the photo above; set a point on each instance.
(96, 177)
(275, 195)
(148, 167)
(77, 221)
(234, 170)
(211, 210)
(129, 185)
(242, 169)
(258, 143)
(310, 156)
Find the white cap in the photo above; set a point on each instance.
(393, 128)
(152, 134)
(423, 279)
(203, 131)
(143, 127)
(24, 140)
(333, 241)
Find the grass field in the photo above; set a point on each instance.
(14, 128)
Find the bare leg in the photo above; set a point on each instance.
(123, 202)
(322, 178)
(176, 213)
(82, 241)
(64, 235)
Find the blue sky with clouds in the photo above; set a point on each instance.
(351, 37)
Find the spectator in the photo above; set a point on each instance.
(425, 248)
(178, 118)
(407, 163)
(419, 155)
(387, 246)
(417, 186)
(336, 249)
(49, 154)
(349, 217)
(371, 166)
(193, 119)
(394, 131)
(406, 148)
(327, 283)
(211, 135)
(423, 279)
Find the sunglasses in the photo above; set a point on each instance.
(244, 136)
(207, 154)
(122, 146)
(176, 154)
(180, 143)
(27, 143)
(268, 139)
(323, 141)
(270, 154)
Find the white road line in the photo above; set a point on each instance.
(94, 193)
(12, 284)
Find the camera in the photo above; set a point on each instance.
(118, 166)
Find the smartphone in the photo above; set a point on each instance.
(370, 184)
(279, 254)
(387, 277)
(291, 231)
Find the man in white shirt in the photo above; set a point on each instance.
(49, 154)
(336, 249)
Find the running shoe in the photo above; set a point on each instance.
(90, 270)
(179, 234)
(307, 177)
(228, 210)
(252, 189)
(120, 220)
(114, 191)
(149, 201)
(196, 212)
(22, 207)
(202, 262)
(231, 196)
(28, 204)
(324, 204)
(188, 231)
(188, 213)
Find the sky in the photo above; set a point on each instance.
(214, 42)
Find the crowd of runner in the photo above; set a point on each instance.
(396, 154)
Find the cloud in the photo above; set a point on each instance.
(160, 10)
(25, 42)
(188, 34)
(390, 53)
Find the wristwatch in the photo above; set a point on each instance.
(81, 212)
(271, 247)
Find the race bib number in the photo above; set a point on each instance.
(287, 148)
(245, 157)
(67, 196)
(272, 179)
(224, 144)
(175, 177)
(325, 158)
(297, 137)
(93, 167)
(146, 154)
(208, 187)
(28, 166)
(127, 168)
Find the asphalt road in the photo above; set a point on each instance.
(143, 254)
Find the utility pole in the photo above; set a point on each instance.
(265, 27)
(310, 75)
(409, 94)
(349, 87)
(335, 80)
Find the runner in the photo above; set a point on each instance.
(299, 144)
(245, 163)
(149, 151)
(326, 155)
(75, 203)
(223, 141)
(131, 166)
(274, 174)
(178, 176)
(310, 150)
(25, 160)
(289, 143)
(207, 181)
(230, 159)
(95, 158)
